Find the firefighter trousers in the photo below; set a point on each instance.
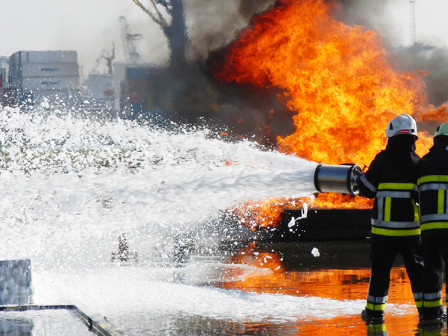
(382, 255)
(435, 255)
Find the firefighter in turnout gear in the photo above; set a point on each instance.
(392, 180)
(433, 186)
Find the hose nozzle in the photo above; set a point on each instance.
(337, 178)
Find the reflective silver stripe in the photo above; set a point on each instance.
(366, 182)
(434, 217)
(433, 186)
(377, 299)
(380, 210)
(432, 296)
(394, 194)
(418, 296)
(395, 225)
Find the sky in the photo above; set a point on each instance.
(430, 21)
(91, 26)
(392, 19)
(88, 26)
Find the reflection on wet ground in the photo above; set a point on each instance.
(333, 270)
(332, 278)
(294, 288)
(299, 288)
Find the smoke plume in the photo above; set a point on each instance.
(379, 16)
(213, 24)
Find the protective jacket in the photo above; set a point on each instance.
(391, 179)
(433, 186)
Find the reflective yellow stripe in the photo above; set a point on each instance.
(396, 186)
(434, 225)
(441, 202)
(395, 233)
(376, 307)
(436, 303)
(387, 209)
(416, 211)
(432, 178)
(387, 203)
(376, 329)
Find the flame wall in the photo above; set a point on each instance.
(337, 78)
(339, 81)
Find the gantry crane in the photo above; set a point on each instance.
(129, 41)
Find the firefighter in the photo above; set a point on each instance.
(392, 180)
(433, 186)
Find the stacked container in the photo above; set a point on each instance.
(145, 91)
(45, 76)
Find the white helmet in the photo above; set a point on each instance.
(403, 124)
(442, 130)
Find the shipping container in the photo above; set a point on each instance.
(140, 73)
(50, 83)
(3, 75)
(52, 63)
(50, 70)
(14, 79)
(138, 92)
(47, 56)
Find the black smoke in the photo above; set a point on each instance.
(213, 25)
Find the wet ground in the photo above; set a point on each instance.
(45, 322)
(332, 270)
(328, 270)
(300, 288)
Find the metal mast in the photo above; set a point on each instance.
(413, 28)
(109, 57)
(129, 41)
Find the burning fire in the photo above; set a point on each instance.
(338, 79)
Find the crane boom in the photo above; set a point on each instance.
(129, 41)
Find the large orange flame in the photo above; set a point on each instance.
(338, 79)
